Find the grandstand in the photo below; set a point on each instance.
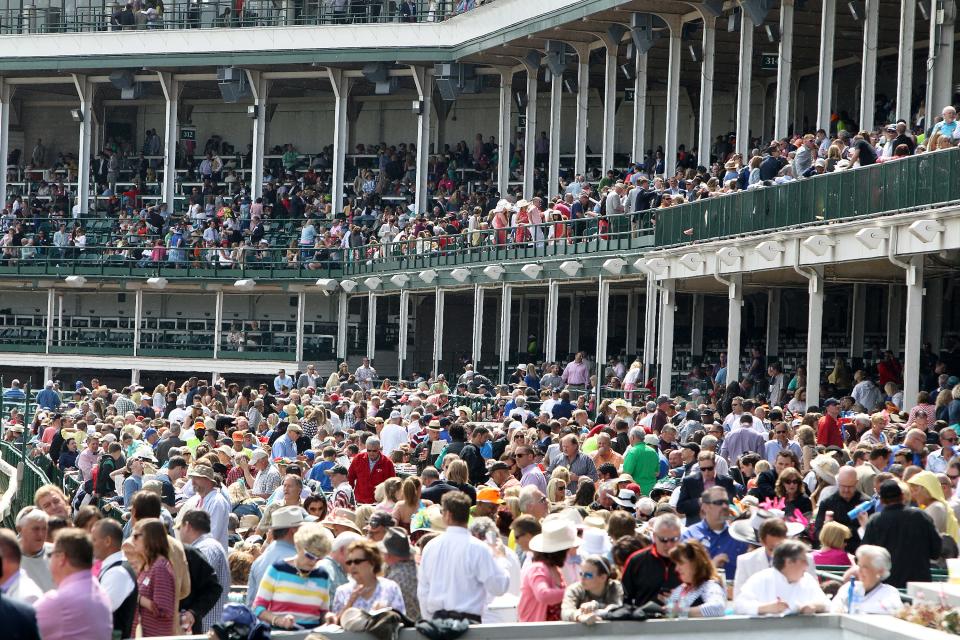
(124, 123)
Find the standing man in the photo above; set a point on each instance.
(641, 462)
(309, 378)
(829, 433)
(368, 469)
(195, 531)
(14, 582)
(576, 462)
(209, 498)
(530, 473)
(577, 373)
(282, 380)
(286, 445)
(116, 576)
(365, 375)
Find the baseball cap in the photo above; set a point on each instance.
(336, 469)
(830, 401)
(489, 494)
(149, 432)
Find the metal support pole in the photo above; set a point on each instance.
(438, 331)
(343, 308)
(341, 93)
(868, 71)
(825, 87)
(668, 300)
(609, 103)
(402, 338)
(603, 325)
(640, 108)
(260, 87)
(734, 313)
(371, 325)
(814, 336)
(217, 323)
(705, 140)
(650, 303)
(6, 94)
(504, 131)
(553, 302)
(773, 324)
(137, 321)
(908, 19)
(423, 80)
(171, 95)
(911, 357)
(696, 327)
(505, 306)
(86, 91)
(553, 164)
(530, 132)
(523, 325)
(784, 71)
(744, 85)
(673, 95)
(583, 104)
(301, 318)
(476, 344)
(51, 305)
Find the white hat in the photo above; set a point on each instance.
(288, 517)
(595, 542)
(748, 530)
(259, 455)
(651, 440)
(556, 535)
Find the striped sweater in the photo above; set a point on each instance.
(283, 590)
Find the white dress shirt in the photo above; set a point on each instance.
(391, 437)
(115, 580)
(459, 573)
(22, 588)
(769, 585)
(883, 599)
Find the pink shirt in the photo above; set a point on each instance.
(576, 373)
(832, 557)
(537, 592)
(78, 608)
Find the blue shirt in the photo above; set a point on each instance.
(284, 447)
(14, 394)
(317, 473)
(48, 399)
(717, 543)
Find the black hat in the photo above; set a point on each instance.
(693, 446)
(396, 543)
(336, 469)
(830, 401)
(890, 490)
(498, 466)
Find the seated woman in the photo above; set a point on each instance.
(701, 595)
(785, 586)
(365, 589)
(833, 539)
(295, 591)
(597, 588)
(873, 567)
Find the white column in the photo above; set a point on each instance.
(135, 377)
(371, 325)
(217, 322)
(51, 306)
(668, 292)
(573, 339)
(343, 308)
(404, 331)
(894, 317)
(171, 95)
(47, 373)
(632, 325)
(743, 83)
(603, 325)
(868, 70)
(609, 103)
(477, 342)
(341, 93)
(773, 323)
(260, 87)
(423, 80)
(825, 92)
(639, 108)
(86, 91)
(553, 302)
(705, 139)
(911, 357)
(784, 71)
(650, 303)
(504, 132)
(301, 318)
(673, 95)
(857, 318)
(137, 320)
(583, 103)
(696, 327)
(6, 93)
(814, 336)
(735, 311)
(553, 163)
(933, 318)
(908, 12)
(530, 132)
(505, 304)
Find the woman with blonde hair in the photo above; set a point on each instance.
(409, 503)
(387, 493)
(833, 540)
(631, 379)
(557, 490)
(458, 476)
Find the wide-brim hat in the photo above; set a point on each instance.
(595, 542)
(287, 517)
(748, 529)
(557, 535)
(202, 471)
(625, 498)
(826, 468)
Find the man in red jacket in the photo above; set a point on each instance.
(368, 469)
(828, 429)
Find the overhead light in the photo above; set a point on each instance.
(348, 285)
(922, 5)
(401, 279)
(570, 85)
(871, 237)
(252, 111)
(460, 275)
(657, 266)
(428, 275)
(769, 250)
(729, 255)
(76, 115)
(626, 71)
(75, 281)
(157, 283)
(926, 231)
(772, 35)
(373, 282)
(640, 264)
(531, 270)
(614, 266)
(327, 285)
(571, 267)
(245, 284)
(854, 7)
(693, 52)
(494, 271)
(417, 107)
(819, 244)
(691, 261)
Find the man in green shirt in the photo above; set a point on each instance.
(641, 461)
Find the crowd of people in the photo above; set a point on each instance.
(312, 499)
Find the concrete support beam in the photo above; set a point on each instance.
(505, 307)
(603, 327)
(371, 325)
(814, 336)
(858, 316)
(583, 102)
(894, 317)
(773, 323)
(403, 336)
(476, 344)
(553, 163)
(51, 307)
(553, 302)
(609, 103)
(530, 132)
(696, 327)
(673, 95)
(784, 70)
(908, 19)
(423, 80)
(260, 87)
(86, 91)
(668, 293)
(6, 95)
(868, 71)
(217, 323)
(734, 316)
(632, 325)
(137, 320)
(639, 107)
(705, 138)
(504, 132)
(343, 308)
(650, 303)
(828, 21)
(744, 85)
(911, 357)
(341, 93)
(301, 318)
(171, 96)
(523, 325)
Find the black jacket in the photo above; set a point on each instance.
(646, 575)
(688, 502)
(205, 589)
(911, 538)
(766, 488)
(474, 459)
(19, 620)
(840, 507)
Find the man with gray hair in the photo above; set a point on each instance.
(31, 526)
(785, 587)
(711, 443)
(641, 462)
(533, 502)
(650, 572)
(368, 469)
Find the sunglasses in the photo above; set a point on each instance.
(669, 540)
(587, 575)
(354, 561)
(794, 481)
(779, 433)
(706, 468)
(953, 477)
(718, 503)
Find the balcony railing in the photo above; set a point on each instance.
(916, 181)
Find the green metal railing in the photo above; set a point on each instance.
(916, 181)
